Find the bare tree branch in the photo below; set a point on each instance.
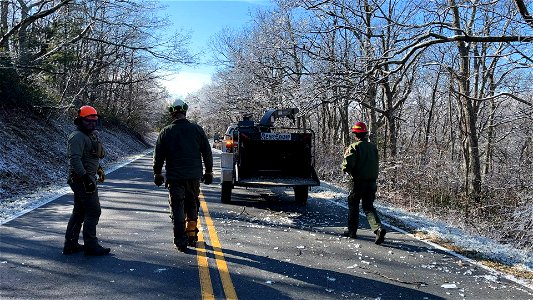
(440, 39)
(498, 96)
(524, 12)
(149, 49)
(69, 42)
(32, 19)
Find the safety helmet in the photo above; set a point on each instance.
(88, 112)
(178, 106)
(359, 127)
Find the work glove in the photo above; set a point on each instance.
(159, 179)
(207, 178)
(88, 184)
(101, 174)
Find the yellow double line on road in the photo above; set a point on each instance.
(203, 266)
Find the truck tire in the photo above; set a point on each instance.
(300, 194)
(225, 195)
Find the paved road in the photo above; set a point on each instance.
(261, 246)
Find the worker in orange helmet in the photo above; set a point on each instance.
(361, 161)
(84, 151)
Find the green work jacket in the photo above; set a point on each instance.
(361, 160)
(182, 145)
(84, 153)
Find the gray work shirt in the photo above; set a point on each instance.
(84, 153)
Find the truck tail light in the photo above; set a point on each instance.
(229, 145)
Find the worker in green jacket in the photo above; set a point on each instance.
(361, 161)
(84, 151)
(182, 146)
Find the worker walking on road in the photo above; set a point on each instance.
(361, 161)
(183, 145)
(84, 151)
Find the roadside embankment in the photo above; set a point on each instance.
(33, 150)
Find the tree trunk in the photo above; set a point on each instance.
(4, 5)
(425, 147)
(344, 120)
(471, 142)
(371, 92)
(24, 52)
(490, 137)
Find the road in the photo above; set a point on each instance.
(261, 246)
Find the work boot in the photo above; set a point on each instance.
(70, 248)
(348, 233)
(192, 233)
(380, 235)
(181, 243)
(191, 241)
(181, 248)
(96, 251)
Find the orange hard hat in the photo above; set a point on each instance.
(88, 112)
(359, 127)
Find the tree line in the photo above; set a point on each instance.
(445, 87)
(58, 55)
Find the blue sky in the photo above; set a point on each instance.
(204, 19)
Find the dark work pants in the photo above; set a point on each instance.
(182, 202)
(86, 212)
(362, 191)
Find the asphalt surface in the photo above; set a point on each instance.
(261, 246)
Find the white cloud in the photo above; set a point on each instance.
(183, 83)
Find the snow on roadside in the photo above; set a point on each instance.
(520, 259)
(18, 206)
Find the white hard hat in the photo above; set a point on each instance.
(178, 106)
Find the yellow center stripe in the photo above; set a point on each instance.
(203, 268)
(227, 284)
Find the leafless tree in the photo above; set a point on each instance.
(443, 85)
(105, 53)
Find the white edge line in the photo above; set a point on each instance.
(439, 247)
(64, 190)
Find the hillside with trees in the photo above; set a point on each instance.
(59, 55)
(56, 56)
